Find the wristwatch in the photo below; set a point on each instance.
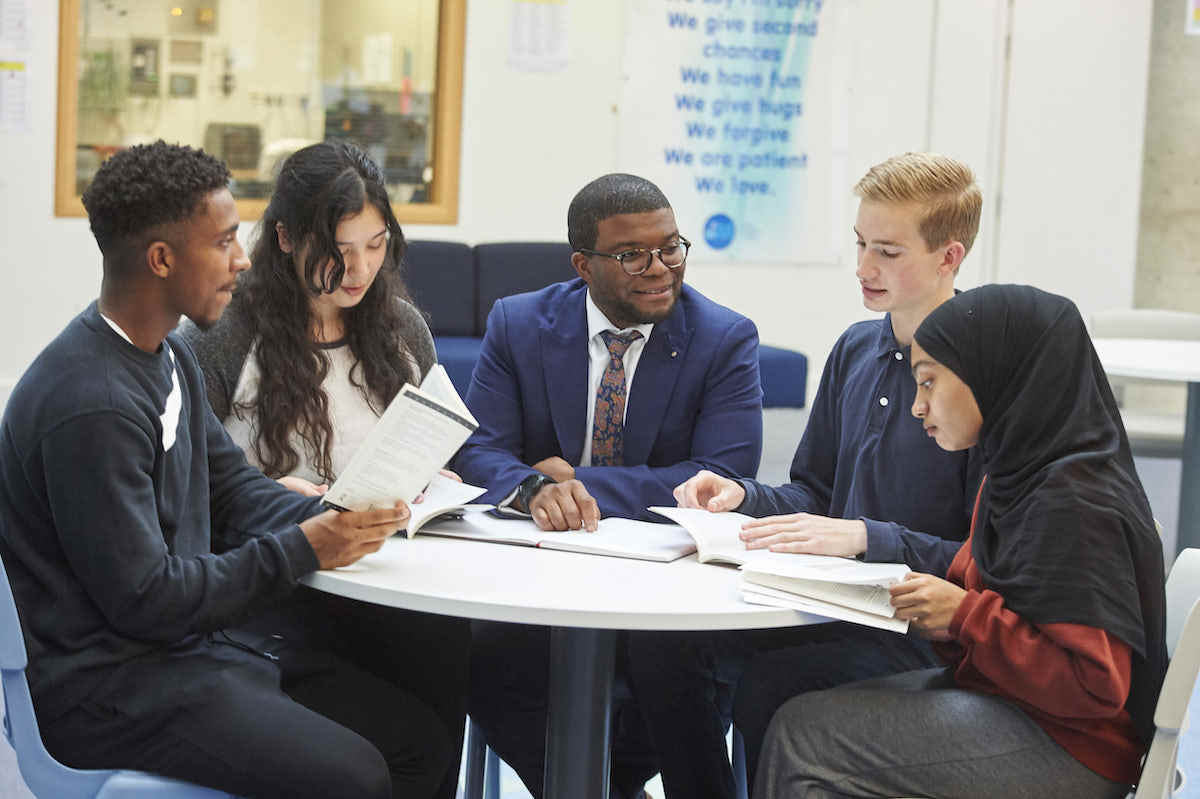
(529, 488)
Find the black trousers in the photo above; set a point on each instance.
(363, 701)
(422, 654)
(684, 684)
(339, 732)
(510, 679)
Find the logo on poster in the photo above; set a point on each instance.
(718, 231)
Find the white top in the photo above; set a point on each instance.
(1147, 358)
(501, 582)
(351, 417)
(598, 358)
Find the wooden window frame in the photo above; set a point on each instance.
(442, 207)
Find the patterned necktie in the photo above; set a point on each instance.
(608, 426)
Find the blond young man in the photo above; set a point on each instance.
(865, 481)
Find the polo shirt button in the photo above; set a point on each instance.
(883, 401)
(899, 355)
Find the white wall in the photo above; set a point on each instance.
(1168, 274)
(1061, 149)
(1073, 145)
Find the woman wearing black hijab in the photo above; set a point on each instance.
(1051, 616)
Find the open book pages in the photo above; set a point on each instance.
(717, 536)
(838, 587)
(420, 430)
(621, 538)
(437, 385)
(440, 497)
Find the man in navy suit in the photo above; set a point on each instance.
(596, 397)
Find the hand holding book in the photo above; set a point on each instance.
(929, 603)
(419, 432)
(339, 538)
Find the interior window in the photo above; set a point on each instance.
(252, 81)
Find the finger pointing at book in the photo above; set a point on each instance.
(709, 491)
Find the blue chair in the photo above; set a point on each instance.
(45, 776)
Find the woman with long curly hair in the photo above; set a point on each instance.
(320, 334)
(318, 339)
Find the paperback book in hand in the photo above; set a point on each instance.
(419, 432)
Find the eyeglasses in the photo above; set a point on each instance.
(634, 262)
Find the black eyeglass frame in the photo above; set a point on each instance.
(622, 257)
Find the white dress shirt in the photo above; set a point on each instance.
(598, 359)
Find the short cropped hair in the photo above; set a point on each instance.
(144, 187)
(945, 189)
(609, 195)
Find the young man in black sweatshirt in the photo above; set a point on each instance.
(134, 532)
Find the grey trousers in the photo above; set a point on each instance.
(916, 734)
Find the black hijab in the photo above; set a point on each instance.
(1064, 531)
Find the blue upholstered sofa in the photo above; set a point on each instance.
(457, 284)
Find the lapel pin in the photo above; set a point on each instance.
(674, 353)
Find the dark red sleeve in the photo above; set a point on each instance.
(1065, 670)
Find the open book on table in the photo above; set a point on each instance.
(841, 588)
(614, 537)
(717, 535)
(419, 432)
(443, 497)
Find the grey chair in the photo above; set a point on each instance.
(1159, 772)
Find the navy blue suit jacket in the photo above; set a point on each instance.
(695, 403)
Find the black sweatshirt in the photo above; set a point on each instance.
(127, 540)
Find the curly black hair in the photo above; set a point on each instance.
(609, 195)
(317, 188)
(144, 187)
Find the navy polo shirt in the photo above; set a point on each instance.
(864, 456)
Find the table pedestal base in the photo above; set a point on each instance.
(577, 728)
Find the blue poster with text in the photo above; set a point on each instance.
(716, 107)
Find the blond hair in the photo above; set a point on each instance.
(945, 190)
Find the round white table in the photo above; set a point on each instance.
(585, 599)
(1178, 361)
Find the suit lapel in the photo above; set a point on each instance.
(565, 358)
(654, 384)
